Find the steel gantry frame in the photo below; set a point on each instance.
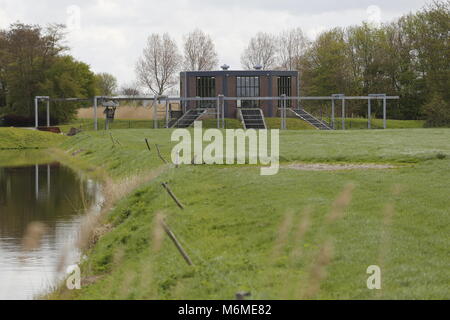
(220, 105)
(48, 100)
(36, 109)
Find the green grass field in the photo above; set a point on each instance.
(272, 123)
(360, 123)
(273, 235)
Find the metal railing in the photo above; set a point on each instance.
(220, 105)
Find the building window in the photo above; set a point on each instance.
(206, 88)
(284, 87)
(248, 87)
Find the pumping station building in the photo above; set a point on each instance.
(245, 84)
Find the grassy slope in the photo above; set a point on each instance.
(233, 216)
(13, 138)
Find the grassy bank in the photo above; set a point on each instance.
(273, 235)
(14, 138)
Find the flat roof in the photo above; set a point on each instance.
(244, 73)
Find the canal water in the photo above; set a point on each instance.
(41, 205)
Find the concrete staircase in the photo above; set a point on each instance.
(252, 118)
(188, 118)
(318, 124)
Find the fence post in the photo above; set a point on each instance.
(369, 114)
(332, 114)
(283, 112)
(222, 102)
(384, 112)
(95, 114)
(167, 113)
(48, 111)
(218, 112)
(36, 118)
(343, 113)
(155, 112)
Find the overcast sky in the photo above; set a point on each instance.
(109, 35)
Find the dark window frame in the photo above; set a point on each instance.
(284, 85)
(205, 88)
(248, 86)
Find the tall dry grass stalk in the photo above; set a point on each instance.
(318, 271)
(91, 227)
(388, 215)
(302, 228)
(282, 234)
(33, 236)
(299, 233)
(340, 204)
(146, 275)
(309, 288)
(157, 232)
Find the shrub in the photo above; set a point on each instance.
(437, 113)
(13, 120)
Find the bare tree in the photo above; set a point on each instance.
(106, 84)
(199, 51)
(130, 89)
(292, 44)
(157, 68)
(262, 51)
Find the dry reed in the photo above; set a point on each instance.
(33, 236)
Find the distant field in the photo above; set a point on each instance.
(124, 112)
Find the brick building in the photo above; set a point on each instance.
(244, 84)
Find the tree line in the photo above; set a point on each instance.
(34, 61)
(408, 57)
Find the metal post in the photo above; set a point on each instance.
(36, 117)
(185, 104)
(48, 180)
(343, 113)
(36, 176)
(222, 102)
(283, 112)
(384, 112)
(221, 109)
(167, 113)
(48, 112)
(218, 112)
(332, 114)
(155, 113)
(369, 114)
(95, 114)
